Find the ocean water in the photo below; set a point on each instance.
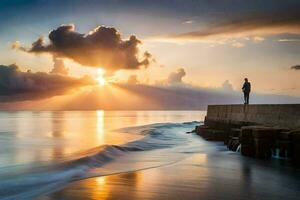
(92, 155)
(42, 152)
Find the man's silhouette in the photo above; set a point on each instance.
(246, 89)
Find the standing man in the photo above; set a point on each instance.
(246, 89)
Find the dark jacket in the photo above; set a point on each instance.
(246, 87)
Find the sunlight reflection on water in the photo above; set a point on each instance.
(28, 137)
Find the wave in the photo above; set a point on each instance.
(47, 177)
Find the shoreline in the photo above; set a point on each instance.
(211, 174)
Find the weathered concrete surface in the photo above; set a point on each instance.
(282, 115)
(259, 131)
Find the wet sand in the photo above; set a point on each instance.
(216, 174)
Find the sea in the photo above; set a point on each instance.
(47, 154)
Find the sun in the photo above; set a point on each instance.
(100, 77)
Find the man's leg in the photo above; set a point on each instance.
(245, 98)
(248, 94)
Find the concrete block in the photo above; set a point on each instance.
(263, 147)
(247, 150)
(285, 148)
(235, 132)
(265, 132)
(284, 135)
(295, 135)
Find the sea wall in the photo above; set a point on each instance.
(260, 131)
(284, 115)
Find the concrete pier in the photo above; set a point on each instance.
(285, 115)
(260, 131)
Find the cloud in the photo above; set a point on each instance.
(188, 22)
(59, 67)
(103, 47)
(258, 39)
(176, 77)
(227, 86)
(16, 45)
(173, 79)
(289, 40)
(238, 44)
(252, 23)
(132, 80)
(295, 67)
(16, 85)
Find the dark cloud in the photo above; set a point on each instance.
(168, 15)
(295, 67)
(277, 21)
(103, 47)
(176, 77)
(59, 67)
(16, 85)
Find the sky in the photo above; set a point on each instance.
(57, 50)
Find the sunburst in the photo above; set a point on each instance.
(100, 77)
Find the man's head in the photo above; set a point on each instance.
(246, 79)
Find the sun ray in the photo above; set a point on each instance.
(100, 77)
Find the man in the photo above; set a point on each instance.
(246, 89)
